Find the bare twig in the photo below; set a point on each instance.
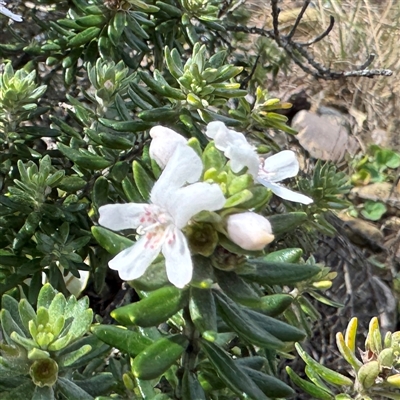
(322, 35)
(368, 73)
(246, 80)
(275, 20)
(298, 19)
(367, 63)
(298, 54)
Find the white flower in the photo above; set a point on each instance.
(277, 168)
(5, 11)
(267, 172)
(234, 146)
(249, 230)
(172, 206)
(164, 143)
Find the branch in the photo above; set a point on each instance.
(275, 20)
(322, 35)
(297, 53)
(367, 63)
(298, 19)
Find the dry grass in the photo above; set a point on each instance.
(362, 27)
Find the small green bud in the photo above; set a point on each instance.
(225, 260)
(240, 183)
(44, 372)
(386, 358)
(387, 341)
(202, 239)
(394, 380)
(322, 285)
(368, 373)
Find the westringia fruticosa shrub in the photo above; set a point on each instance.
(129, 142)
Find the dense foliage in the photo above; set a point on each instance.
(142, 117)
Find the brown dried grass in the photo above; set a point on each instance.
(362, 27)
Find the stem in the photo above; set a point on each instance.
(190, 356)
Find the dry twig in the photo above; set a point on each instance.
(300, 55)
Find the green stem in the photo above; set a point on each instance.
(189, 358)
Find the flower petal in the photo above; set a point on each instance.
(224, 137)
(178, 261)
(121, 216)
(243, 157)
(5, 11)
(132, 262)
(279, 166)
(190, 200)
(214, 127)
(285, 193)
(164, 143)
(184, 166)
(235, 147)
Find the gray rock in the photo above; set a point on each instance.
(326, 136)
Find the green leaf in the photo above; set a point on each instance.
(43, 393)
(100, 192)
(9, 325)
(373, 210)
(110, 241)
(308, 387)
(277, 273)
(57, 307)
(327, 374)
(73, 356)
(26, 312)
(290, 255)
(98, 384)
(324, 300)
(237, 289)
(46, 296)
(191, 388)
(153, 278)
(84, 37)
(37, 354)
(83, 158)
(271, 386)
(123, 339)
(125, 126)
(72, 391)
(24, 391)
(286, 223)
(11, 305)
(241, 322)
(230, 373)
(71, 184)
(28, 344)
(277, 328)
(144, 182)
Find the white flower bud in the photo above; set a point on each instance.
(249, 230)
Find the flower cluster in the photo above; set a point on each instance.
(175, 198)
(179, 195)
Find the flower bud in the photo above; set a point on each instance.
(368, 373)
(202, 238)
(249, 230)
(44, 372)
(164, 143)
(394, 380)
(322, 285)
(386, 358)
